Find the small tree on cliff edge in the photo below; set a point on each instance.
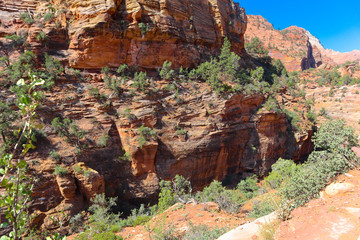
(13, 166)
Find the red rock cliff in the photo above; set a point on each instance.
(146, 33)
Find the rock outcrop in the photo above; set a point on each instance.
(297, 48)
(291, 45)
(146, 33)
(341, 58)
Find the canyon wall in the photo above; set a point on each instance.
(146, 33)
(199, 133)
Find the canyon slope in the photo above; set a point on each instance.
(94, 34)
(195, 131)
(296, 47)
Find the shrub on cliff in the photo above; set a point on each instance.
(70, 130)
(225, 66)
(281, 172)
(228, 200)
(101, 220)
(256, 47)
(21, 67)
(248, 187)
(27, 18)
(166, 72)
(203, 232)
(140, 81)
(177, 190)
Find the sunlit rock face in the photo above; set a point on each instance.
(146, 33)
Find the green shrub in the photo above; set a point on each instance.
(261, 208)
(225, 66)
(332, 156)
(166, 196)
(102, 218)
(272, 105)
(114, 84)
(54, 155)
(103, 141)
(121, 69)
(86, 172)
(181, 131)
(125, 157)
(67, 128)
(17, 41)
(143, 28)
(140, 81)
(7, 118)
(256, 47)
(171, 192)
(311, 115)
(20, 68)
(60, 170)
(145, 134)
(161, 231)
(127, 113)
(248, 187)
(94, 92)
(98, 236)
(166, 72)
(228, 200)
(322, 112)
(138, 216)
(52, 72)
(281, 172)
(27, 18)
(203, 232)
(49, 16)
(294, 119)
(41, 36)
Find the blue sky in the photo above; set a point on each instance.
(335, 23)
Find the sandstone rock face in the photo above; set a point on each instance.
(146, 33)
(18, 5)
(227, 139)
(290, 45)
(297, 48)
(341, 58)
(90, 181)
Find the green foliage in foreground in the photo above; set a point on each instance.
(203, 232)
(101, 220)
(332, 156)
(14, 180)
